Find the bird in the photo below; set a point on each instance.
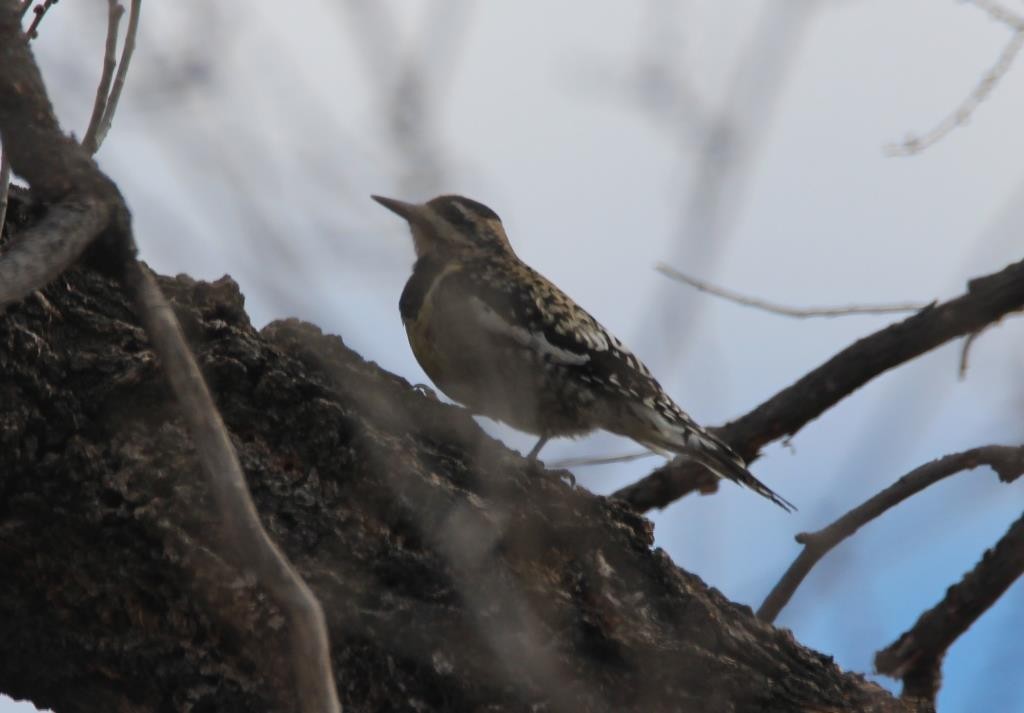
(496, 336)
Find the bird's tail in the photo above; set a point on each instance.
(679, 434)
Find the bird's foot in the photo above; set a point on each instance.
(560, 475)
(426, 391)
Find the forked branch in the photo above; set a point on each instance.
(1007, 462)
(987, 300)
(916, 657)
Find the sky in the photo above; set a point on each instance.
(742, 142)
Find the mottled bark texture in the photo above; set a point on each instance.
(453, 576)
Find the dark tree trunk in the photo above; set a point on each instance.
(453, 576)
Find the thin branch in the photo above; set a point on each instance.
(986, 301)
(965, 352)
(776, 308)
(1008, 463)
(965, 349)
(1000, 14)
(248, 541)
(25, 7)
(605, 460)
(917, 655)
(122, 72)
(916, 144)
(40, 10)
(90, 142)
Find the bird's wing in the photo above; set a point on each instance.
(512, 301)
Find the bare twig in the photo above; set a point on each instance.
(90, 142)
(917, 655)
(1000, 14)
(986, 301)
(916, 144)
(800, 312)
(25, 6)
(605, 460)
(965, 352)
(122, 72)
(965, 349)
(1008, 463)
(248, 541)
(40, 10)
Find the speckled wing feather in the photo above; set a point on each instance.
(520, 304)
(537, 314)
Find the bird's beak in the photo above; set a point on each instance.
(409, 211)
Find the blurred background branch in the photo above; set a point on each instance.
(982, 89)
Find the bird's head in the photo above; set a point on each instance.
(450, 224)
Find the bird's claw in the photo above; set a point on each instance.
(425, 391)
(559, 475)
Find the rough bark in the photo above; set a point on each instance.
(453, 575)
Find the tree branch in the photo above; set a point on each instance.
(987, 300)
(247, 541)
(61, 174)
(1008, 463)
(441, 558)
(84, 203)
(959, 116)
(40, 11)
(122, 72)
(90, 142)
(917, 655)
(776, 308)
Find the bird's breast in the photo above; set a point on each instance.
(424, 325)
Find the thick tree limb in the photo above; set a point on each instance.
(81, 203)
(987, 300)
(61, 173)
(247, 541)
(917, 655)
(441, 557)
(1006, 461)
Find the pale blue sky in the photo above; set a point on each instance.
(240, 159)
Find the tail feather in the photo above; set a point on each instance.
(725, 463)
(682, 435)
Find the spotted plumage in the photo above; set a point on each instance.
(498, 337)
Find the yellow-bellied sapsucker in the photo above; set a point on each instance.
(498, 337)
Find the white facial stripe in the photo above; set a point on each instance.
(462, 209)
